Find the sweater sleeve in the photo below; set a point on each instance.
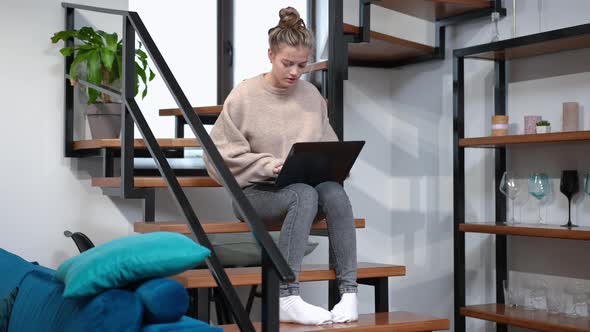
(328, 134)
(244, 164)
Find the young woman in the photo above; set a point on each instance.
(261, 119)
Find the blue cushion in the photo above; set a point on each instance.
(164, 300)
(123, 261)
(13, 270)
(6, 305)
(40, 306)
(186, 324)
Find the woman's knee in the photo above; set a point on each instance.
(303, 194)
(330, 191)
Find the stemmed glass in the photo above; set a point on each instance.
(539, 188)
(569, 187)
(510, 188)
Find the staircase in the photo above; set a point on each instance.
(125, 180)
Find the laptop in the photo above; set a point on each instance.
(316, 162)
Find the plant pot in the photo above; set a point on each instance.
(104, 120)
(543, 129)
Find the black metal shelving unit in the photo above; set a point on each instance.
(500, 53)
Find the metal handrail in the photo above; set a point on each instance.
(274, 265)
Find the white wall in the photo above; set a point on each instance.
(43, 192)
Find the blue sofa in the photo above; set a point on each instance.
(40, 306)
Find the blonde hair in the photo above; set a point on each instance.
(290, 31)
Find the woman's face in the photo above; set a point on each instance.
(288, 64)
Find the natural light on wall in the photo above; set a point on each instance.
(254, 18)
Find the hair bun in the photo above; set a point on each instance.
(290, 19)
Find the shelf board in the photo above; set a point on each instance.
(531, 319)
(433, 10)
(554, 41)
(495, 141)
(383, 49)
(547, 231)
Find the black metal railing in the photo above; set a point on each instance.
(274, 266)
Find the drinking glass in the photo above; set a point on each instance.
(579, 295)
(539, 187)
(587, 186)
(510, 188)
(569, 187)
(510, 296)
(554, 301)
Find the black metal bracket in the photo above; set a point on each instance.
(381, 288)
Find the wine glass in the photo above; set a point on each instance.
(569, 187)
(539, 188)
(510, 188)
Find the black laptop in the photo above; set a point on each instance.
(316, 162)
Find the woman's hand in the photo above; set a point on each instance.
(278, 168)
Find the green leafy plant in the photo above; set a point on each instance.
(543, 123)
(102, 53)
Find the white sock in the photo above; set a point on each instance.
(346, 310)
(292, 309)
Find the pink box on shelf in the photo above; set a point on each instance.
(530, 123)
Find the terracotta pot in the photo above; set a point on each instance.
(104, 120)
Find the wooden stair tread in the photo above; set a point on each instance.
(247, 276)
(201, 110)
(399, 321)
(138, 143)
(531, 319)
(433, 10)
(383, 48)
(218, 227)
(317, 66)
(156, 182)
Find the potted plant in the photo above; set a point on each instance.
(101, 55)
(543, 127)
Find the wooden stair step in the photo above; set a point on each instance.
(115, 143)
(383, 49)
(317, 66)
(399, 321)
(248, 276)
(219, 227)
(433, 10)
(156, 182)
(201, 110)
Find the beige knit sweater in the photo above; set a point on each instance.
(259, 124)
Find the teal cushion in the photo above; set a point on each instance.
(241, 249)
(124, 261)
(164, 300)
(6, 305)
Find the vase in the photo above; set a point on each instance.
(104, 120)
(571, 116)
(499, 125)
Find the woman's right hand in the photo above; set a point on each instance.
(278, 168)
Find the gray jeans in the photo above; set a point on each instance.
(296, 207)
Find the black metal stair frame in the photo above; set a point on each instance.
(364, 35)
(274, 266)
